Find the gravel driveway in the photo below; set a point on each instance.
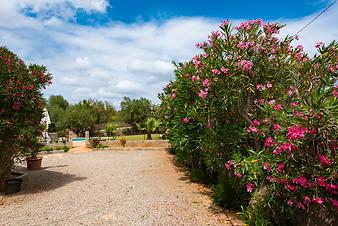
(111, 188)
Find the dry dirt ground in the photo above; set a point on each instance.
(111, 188)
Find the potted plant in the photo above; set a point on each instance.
(34, 161)
(13, 185)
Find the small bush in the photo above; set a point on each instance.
(255, 215)
(47, 148)
(66, 148)
(123, 141)
(102, 146)
(94, 142)
(229, 193)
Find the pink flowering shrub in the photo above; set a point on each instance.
(255, 98)
(21, 107)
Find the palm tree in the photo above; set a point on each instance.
(149, 126)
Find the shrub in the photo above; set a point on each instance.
(94, 142)
(21, 108)
(123, 141)
(249, 88)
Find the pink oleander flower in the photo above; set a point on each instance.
(166, 86)
(321, 181)
(185, 120)
(296, 133)
(313, 132)
(266, 120)
(205, 55)
(268, 85)
(260, 87)
(300, 47)
(259, 101)
(196, 61)
(289, 148)
(250, 187)
(302, 181)
(224, 70)
(244, 45)
(227, 166)
(294, 104)
(271, 102)
(225, 23)
(276, 127)
(206, 83)
(296, 37)
(252, 129)
(256, 122)
(270, 178)
(324, 161)
(215, 71)
(320, 201)
(237, 174)
(307, 200)
(203, 94)
(245, 65)
(231, 162)
(335, 92)
(173, 95)
(268, 142)
(278, 107)
(195, 78)
(290, 187)
(290, 202)
(201, 44)
(318, 44)
(280, 167)
(298, 114)
(299, 205)
(16, 106)
(334, 202)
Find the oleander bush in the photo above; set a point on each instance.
(21, 108)
(253, 107)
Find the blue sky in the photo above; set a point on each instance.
(131, 11)
(105, 50)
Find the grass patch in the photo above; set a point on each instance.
(141, 137)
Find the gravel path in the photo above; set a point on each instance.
(111, 188)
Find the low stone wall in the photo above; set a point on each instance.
(84, 143)
(137, 143)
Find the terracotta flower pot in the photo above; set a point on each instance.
(34, 163)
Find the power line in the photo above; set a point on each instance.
(316, 17)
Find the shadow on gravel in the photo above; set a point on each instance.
(45, 180)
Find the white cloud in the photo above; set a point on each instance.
(157, 66)
(119, 59)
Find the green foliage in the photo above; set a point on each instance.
(149, 126)
(79, 118)
(56, 106)
(94, 143)
(135, 110)
(21, 108)
(111, 129)
(63, 115)
(255, 216)
(47, 148)
(229, 99)
(229, 193)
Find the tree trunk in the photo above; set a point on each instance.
(149, 136)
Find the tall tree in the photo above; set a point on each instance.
(135, 110)
(78, 118)
(56, 106)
